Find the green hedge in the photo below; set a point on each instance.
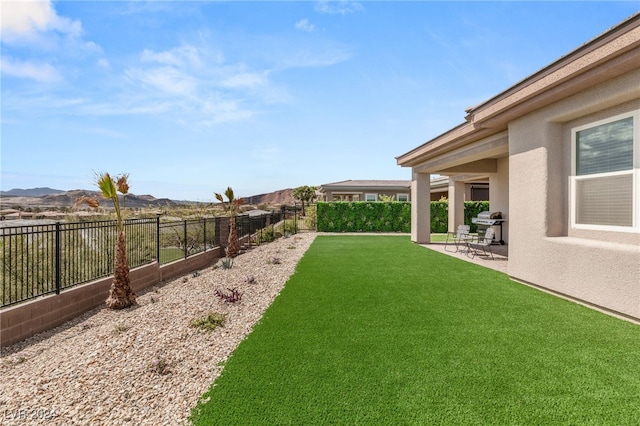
(440, 212)
(439, 216)
(471, 210)
(361, 216)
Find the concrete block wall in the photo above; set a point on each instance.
(27, 319)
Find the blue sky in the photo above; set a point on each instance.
(191, 97)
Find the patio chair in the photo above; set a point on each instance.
(483, 243)
(459, 237)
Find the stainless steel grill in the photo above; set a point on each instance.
(486, 219)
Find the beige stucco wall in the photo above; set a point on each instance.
(420, 208)
(599, 267)
(499, 195)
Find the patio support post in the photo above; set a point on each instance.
(420, 207)
(456, 204)
(499, 193)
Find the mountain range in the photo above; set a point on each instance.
(52, 198)
(33, 192)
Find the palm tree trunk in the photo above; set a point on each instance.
(233, 247)
(121, 296)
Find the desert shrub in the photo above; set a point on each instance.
(210, 322)
(226, 263)
(265, 235)
(233, 296)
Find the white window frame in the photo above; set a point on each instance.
(367, 196)
(634, 172)
(405, 196)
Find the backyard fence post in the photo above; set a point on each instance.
(204, 233)
(273, 224)
(158, 239)
(185, 238)
(57, 257)
(216, 231)
(283, 216)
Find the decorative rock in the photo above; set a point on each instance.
(86, 372)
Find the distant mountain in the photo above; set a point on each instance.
(33, 192)
(51, 198)
(283, 196)
(68, 198)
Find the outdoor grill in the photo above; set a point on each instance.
(487, 219)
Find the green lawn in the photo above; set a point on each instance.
(438, 238)
(377, 330)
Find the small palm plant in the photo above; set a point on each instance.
(120, 295)
(232, 206)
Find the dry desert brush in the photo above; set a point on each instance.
(233, 296)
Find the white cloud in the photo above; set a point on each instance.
(305, 25)
(104, 64)
(41, 72)
(245, 79)
(106, 132)
(166, 79)
(37, 24)
(26, 19)
(338, 7)
(182, 56)
(317, 57)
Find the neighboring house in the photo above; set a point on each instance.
(400, 190)
(365, 190)
(561, 151)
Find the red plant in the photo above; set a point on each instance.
(232, 297)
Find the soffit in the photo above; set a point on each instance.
(477, 157)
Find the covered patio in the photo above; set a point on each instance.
(564, 224)
(464, 154)
(499, 262)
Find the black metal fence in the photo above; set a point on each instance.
(43, 259)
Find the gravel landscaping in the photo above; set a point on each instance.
(147, 364)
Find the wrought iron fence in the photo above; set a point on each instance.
(181, 239)
(44, 259)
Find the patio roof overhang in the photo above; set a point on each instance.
(609, 55)
(478, 158)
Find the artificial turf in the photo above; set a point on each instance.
(377, 330)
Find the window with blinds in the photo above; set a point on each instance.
(604, 193)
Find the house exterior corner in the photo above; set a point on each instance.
(561, 153)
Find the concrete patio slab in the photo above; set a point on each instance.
(499, 262)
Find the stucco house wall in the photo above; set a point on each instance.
(522, 141)
(601, 267)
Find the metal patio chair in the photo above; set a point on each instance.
(459, 237)
(483, 243)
